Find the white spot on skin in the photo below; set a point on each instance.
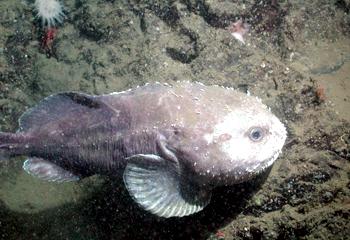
(174, 94)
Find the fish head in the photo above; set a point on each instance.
(245, 142)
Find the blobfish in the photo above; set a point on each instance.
(171, 143)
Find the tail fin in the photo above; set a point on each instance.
(4, 155)
(7, 142)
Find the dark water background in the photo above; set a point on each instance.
(296, 58)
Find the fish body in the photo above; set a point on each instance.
(172, 143)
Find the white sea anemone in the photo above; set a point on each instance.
(50, 12)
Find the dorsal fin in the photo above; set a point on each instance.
(59, 106)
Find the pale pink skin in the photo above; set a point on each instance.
(238, 29)
(202, 128)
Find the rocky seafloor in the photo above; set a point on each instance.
(296, 58)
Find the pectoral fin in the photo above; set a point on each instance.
(46, 170)
(158, 186)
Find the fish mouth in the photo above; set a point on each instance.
(257, 168)
(268, 162)
(252, 170)
(246, 173)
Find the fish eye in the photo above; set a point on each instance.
(256, 134)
